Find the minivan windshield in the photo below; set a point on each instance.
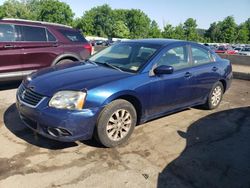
(126, 56)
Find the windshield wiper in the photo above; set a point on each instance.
(103, 63)
(89, 61)
(112, 66)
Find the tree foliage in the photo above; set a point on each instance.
(15, 9)
(190, 31)
(124, 23)
(55, 11)
(154, 30)
(242, 34)
(43, 10)
(228, 30)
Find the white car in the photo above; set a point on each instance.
(238, 49)
(245, 51)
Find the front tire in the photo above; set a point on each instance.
(116, 123)
(215, 96)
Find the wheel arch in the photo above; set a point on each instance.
(130, 97)
(70, 56)
(224, 83)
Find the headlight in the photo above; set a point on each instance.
(71, 100)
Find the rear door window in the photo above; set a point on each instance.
(7, 33)
(200, 56)
(34, 34)
(72, 35)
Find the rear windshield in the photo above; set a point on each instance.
(74, 36)
(221, 48)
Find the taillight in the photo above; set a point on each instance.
(88, 47)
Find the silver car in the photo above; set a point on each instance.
(245, 51)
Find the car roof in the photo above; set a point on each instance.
(157, 41)
(34, 23)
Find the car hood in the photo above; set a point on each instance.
(74, 76)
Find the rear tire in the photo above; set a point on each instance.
(64, 61)
(116, 123)
(215, 96)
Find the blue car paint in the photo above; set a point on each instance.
(156, 95)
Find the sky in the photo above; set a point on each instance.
(174, 11)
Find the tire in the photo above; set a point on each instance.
(64, 61)
(215, 96)
(116, 123)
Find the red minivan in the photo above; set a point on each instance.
(26, 46)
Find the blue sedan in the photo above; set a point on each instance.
(124, 85)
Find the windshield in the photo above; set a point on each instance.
(130, 56)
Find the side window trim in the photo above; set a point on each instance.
(14, 31)
(47, 31)
(166, 49)
(212, 60)
(18, 31)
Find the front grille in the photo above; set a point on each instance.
(28, 96)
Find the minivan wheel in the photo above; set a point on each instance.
(116, 123)
(64, 61)
(215, 96)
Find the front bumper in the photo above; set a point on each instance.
(79, 125)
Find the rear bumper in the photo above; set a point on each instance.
(79, 125)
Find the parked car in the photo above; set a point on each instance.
(97, 42)
(213, 48)
(225, 49)
(245, 51)
(108, 42)
(26, 46)
(123, 85)
(238, 49)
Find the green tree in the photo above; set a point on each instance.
(247, 23)
(213, 32)
(97, 21)
(168, 31)
(228, 30)
(86, 23)
(33, 7)
(154, 30)
(190, 29)
(138, 23)
(179, 32)
(2, 12)
(15, 9)
(120, 30)
(120, 15)
(243, 33)
(55, 11)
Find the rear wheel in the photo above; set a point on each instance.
(116, 123)
(215, 96)
(64, 61)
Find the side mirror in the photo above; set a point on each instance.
(164, 69)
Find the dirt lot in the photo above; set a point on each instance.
(192, 148)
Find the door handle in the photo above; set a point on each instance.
(187, 75)
(9, 46)
(214, 69)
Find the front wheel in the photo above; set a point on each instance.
(116, 123)
(215, 96)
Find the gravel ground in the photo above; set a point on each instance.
(192, 148)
